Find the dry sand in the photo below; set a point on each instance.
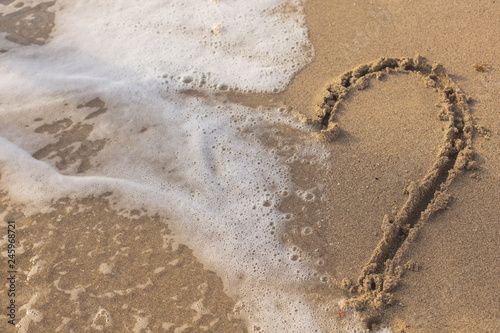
(457, 251)
(386, 138)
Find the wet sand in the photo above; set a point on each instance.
(385, 134)
(84, 256)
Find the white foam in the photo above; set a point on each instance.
(31, 315)
(102, 319)
(260, 45)
(215, 184)
(193, 163)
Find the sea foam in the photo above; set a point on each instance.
(192, 158)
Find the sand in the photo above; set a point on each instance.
(456, 252)
(402, 223)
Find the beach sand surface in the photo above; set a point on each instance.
(388, 136)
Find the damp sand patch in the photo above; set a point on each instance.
(27, 25)
(87, 265)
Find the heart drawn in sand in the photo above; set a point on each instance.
(382, 273)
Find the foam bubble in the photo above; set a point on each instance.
(102, 319)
